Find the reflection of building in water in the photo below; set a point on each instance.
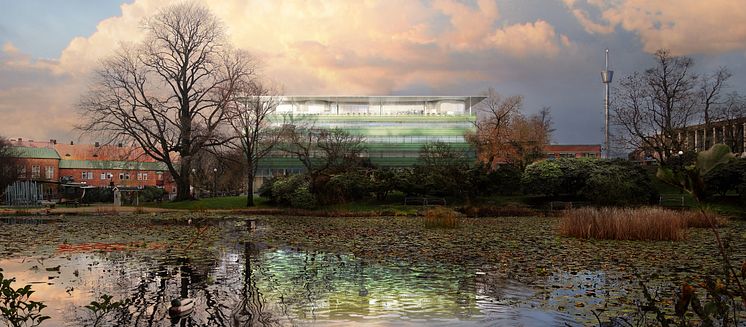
(394, 127)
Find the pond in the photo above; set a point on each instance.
(307, 271)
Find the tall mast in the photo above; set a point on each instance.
(606, 77)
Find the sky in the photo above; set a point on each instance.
(549, 51)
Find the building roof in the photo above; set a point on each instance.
(572, 147)
(112, 165)
(380, 98)
(92, 152)
(35, 153)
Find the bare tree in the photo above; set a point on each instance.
(250, 120)
(9, 165)
(651, 108)
(730, 113)
(169, 94)
(323, 152)
(712, 105)
(504, 135)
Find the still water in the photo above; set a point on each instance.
(234, 282)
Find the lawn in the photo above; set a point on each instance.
(228, 202)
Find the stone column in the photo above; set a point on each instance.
(696, 140)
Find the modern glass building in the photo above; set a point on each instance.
(394, 127)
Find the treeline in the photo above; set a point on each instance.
(443, 172)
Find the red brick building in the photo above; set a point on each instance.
(573, 151)
(91, 164)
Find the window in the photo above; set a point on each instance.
(121, 176)
(127, 176)
(86, 175)
(49, 173)
(144, 176)
(103, 176)
(139, 176)
(22, 171)
(35, 172)
(160, 176)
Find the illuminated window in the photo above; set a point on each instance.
(35, 172)
(49, 173)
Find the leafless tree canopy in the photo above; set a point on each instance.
(504, 135)
(250, 119)
(323, 152)
(170, 93)
(8, 165)
(653, 106)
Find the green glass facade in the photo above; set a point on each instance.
(394, 127)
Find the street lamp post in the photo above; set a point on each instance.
(215, 182)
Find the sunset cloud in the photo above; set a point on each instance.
(684, 27)
(309, 47)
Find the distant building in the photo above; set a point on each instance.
(730, 132)
(50, 164)
(394, 127)
(553, 151)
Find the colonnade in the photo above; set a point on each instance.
(699, 138)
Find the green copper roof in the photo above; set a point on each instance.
(112, 165)
(35, 153)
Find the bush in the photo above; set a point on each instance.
(98, 195)
(441, 217)
(618, 183)
(542, 177)
(265, 190)
(651, 224)
(341, 188)
(302, 198)
(730, 176)
(603, 182)
(292, 190)
(151, 194)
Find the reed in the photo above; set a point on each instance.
(651, 224)
(441, 217)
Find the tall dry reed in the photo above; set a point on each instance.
(653, 224)
(441, 217)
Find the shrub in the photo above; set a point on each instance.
(441, 217)
(349, 186)
(265, 190)
(652, 224)
(730, 176)
(542, 177)
(302, 198)
(284, 188)
(618, 183)
(151, 194)
(98, 195)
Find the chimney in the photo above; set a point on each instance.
(96, 144)
(72, 143)
(53, 141)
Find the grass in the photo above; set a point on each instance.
(651, 224)
(227, 202)
(441, 217)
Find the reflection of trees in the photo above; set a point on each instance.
(251, 310)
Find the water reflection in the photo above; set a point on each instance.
(239, 283)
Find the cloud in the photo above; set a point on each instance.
(684, 26)
(310, 47)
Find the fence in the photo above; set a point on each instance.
(24, 193)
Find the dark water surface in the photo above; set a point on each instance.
(148, 262)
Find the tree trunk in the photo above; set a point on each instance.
(183, 189)
(250, 189)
